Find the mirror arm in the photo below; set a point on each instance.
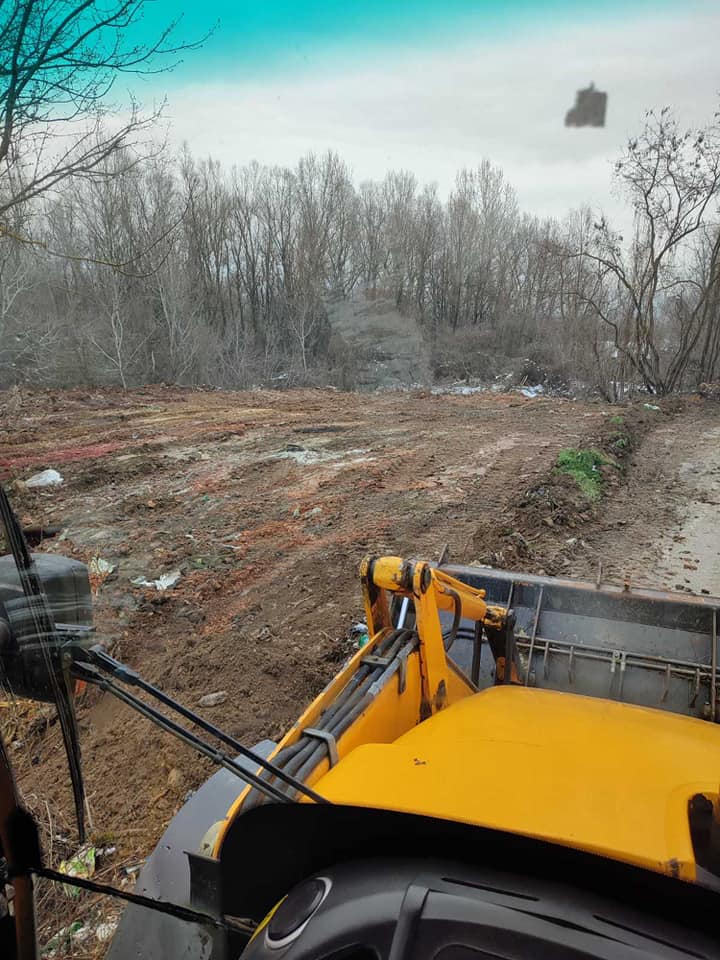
(93, 663)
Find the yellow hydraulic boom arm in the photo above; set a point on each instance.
(394, 710)
(431, 590)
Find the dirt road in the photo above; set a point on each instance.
(263, 505)
(662, 527)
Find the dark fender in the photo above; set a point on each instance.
(145, 935)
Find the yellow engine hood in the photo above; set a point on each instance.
(601, 776)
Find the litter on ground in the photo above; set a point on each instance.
(46, 478)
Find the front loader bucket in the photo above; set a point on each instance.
(646, 647)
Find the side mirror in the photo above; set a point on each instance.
(32, 666)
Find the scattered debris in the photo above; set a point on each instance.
(711, 390)
(651, 406)
(81, 865)
(105, 931)
(460, 389)
(36, 534)
(532, 392)
(164, 582)
(175, 778)
(46, 478)
(304, 456)
(359, 636)
(76, 932)
(99, 570)
(213, 699)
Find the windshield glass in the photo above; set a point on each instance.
(284, 284)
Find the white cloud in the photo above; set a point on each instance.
(434, 113)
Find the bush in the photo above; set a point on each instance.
(463, 355)
(584, 467)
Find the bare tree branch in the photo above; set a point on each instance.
(59, 61)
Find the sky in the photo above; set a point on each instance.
(433, 86)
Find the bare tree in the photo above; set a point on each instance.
(121, 217)
(399, 190)
(370, 249)
(228, 278)
(672, 180)
(59, 61)
(709, 296)
(22, 283)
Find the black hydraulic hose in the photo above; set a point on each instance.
(308, 752)
(337, 709)
(477, 654)
(291, 758)
(350, 718)
(387, 651)
(335, 715)
(342, 719)
(357, 682)
(457, 615)
(310, 746)
(463, 633)
(509, 647)
(352, 712)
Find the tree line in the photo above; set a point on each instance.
(171, 269)
(123, 264)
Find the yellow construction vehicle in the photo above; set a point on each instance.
(512, 766)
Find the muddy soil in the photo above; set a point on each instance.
(662, 528)
(264, 504)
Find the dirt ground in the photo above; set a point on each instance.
(265, 503)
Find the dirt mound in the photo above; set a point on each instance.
(710, 391)
(540, 531)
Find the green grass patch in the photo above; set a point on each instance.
(584, 467)
(617, 420)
